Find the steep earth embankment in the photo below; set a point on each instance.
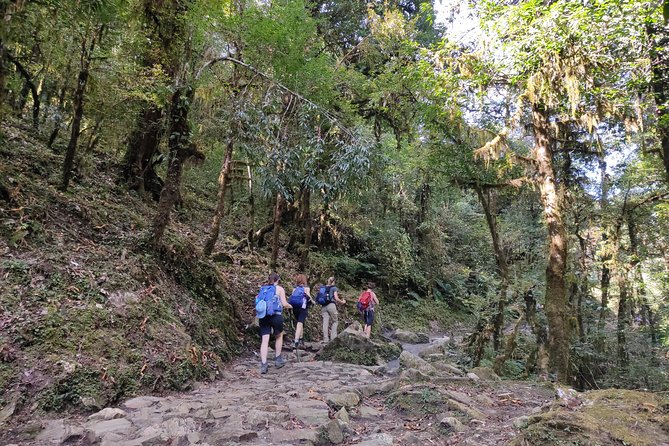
(88, 314)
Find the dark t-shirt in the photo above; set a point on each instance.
(333, 290)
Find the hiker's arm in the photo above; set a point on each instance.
(282, 297)
(337, 299)
(374, 298)
(307, 291)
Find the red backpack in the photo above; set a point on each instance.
(364, 301)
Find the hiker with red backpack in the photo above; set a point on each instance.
(366, 303)
(300, 300)
(328, 297)
(270, 302)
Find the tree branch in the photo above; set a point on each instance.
(328, 114)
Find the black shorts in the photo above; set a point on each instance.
(269, 323)
(368, 316)
(300, 313)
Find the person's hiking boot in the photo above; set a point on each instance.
(264, 367)
(279, 362)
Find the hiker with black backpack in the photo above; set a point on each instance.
(270, 302)
(328, 297)
(300, 300)
(366, 303)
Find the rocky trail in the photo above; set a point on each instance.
(312, 402)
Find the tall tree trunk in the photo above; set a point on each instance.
(226, 167)
(322, 223)
(647, 316)
(78, 103)
(305, 218)
(30, 86)
(278, 212)
(541, 354)
(605, 259)
(659, 83)
(180, 150)
(556, 289)
(623, 317)
(143, 143)
(582, 285)
(252, 207)
(486, 200)
(3, 78)
(220, 206)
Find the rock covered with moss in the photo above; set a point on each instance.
(600, 417)
(353, 347)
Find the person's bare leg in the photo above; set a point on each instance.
(278, 345)
(264, 348)
(299, 328)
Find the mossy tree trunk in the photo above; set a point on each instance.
(223, 180)
(605, 258)
(305, 218)
(143, 143)
(623, 317)
(87, 47)
(276, 233)
(180, 150)
(226, 168)
(647, 316)
(486, 198)
(657, 34)
(30, 87)
(539, 357)
(557, 303)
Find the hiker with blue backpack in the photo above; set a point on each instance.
(328, 297)
(300, 300)
(270, 303)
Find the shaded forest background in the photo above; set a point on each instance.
(158, 159)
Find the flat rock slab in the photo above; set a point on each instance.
(343, 399)
(119, 426)
(107, 413)
(369, 412)
(142, 401)
(377, 440)
(310, 412)
(287, 436)
(58, 432)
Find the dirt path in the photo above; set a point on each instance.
(308, 402)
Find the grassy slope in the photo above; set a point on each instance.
(89, 315)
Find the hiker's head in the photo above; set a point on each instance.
(331, 280)
(273, 278)
(300, 280)
(371, 285)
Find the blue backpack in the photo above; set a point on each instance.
(323, 297)
(267, 302)
(297, 298)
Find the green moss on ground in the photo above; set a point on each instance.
(606, 417)
(418, 401)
